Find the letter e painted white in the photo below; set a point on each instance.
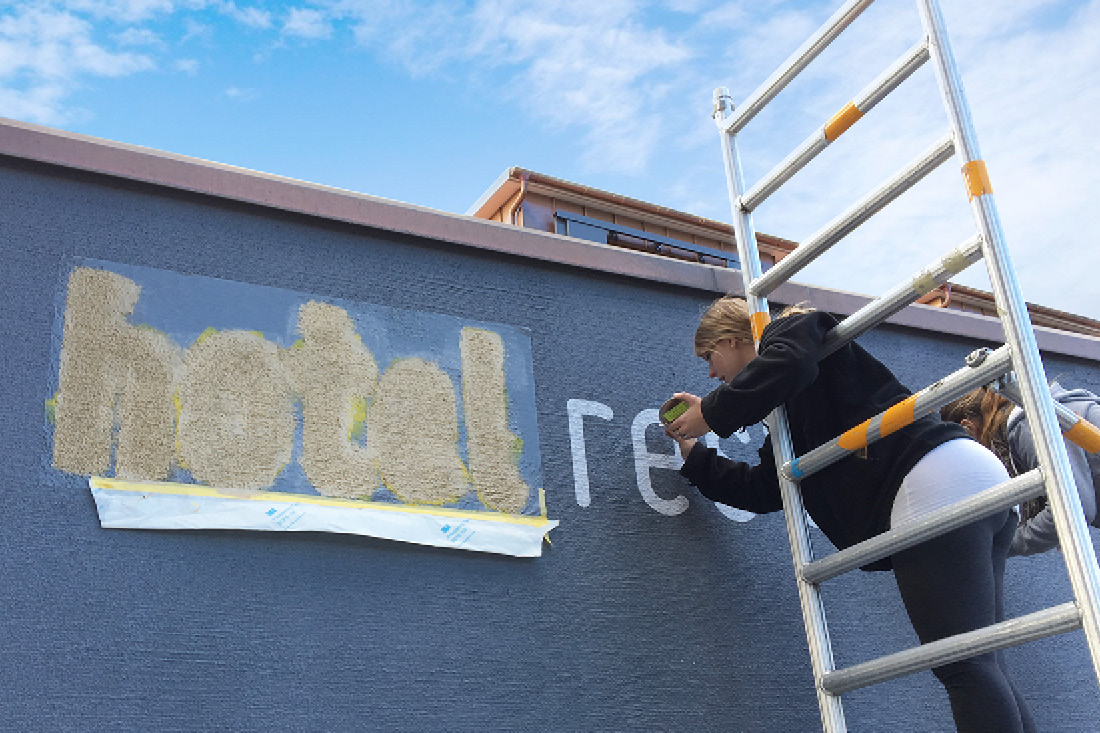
(644, 461)
(576, 410)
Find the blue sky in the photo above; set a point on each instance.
(429, 102)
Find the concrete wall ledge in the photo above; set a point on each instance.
(135, 163)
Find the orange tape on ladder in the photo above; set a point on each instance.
(898, 416)
(976, 178)
(855, 438)
(1086, 435)
(757, 321)
(841, 121)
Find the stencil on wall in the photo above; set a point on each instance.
(194, 402)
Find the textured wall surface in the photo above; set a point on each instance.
(652, 610)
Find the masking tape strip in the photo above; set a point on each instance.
(176, 489)
(924, 283)
(955, 261)
(898, 416)
(1086, 435)
(977, 179)
(757, 321)
(855, 438)
(841, 121)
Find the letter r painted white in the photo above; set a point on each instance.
(576, 410)
(644, 461)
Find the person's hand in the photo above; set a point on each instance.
(686, 444)
(691, 424)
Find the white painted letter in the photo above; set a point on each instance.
(577, 409)
(644, 461)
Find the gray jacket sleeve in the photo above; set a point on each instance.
(1038, 533)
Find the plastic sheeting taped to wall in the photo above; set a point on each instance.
(348, 416)
(163, 505)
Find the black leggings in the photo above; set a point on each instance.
(952, 584)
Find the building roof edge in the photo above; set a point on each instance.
(146, 165)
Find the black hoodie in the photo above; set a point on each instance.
(851, 499)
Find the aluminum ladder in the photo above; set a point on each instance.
(1020, 354)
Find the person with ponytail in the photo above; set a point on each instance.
(1001, 426)
(950, 584)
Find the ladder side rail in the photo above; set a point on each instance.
(880, 309)
(1031, 627)
(813, 610)
(794, 65)
(1077, 549)
(894, 418)
(941, 521)
(851, 219)
(837, 125)
(1074, 427)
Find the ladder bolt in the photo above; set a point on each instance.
(977, 356)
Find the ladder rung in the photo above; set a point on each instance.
(844, 224)
(930, 278)
(797, 61)
(1038, 625)
(1076, 428)
(1003, 496)
(928, 400)
(875, 92)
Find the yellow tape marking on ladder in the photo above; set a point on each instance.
(1086, 435)
(841, 121)
(855, 438)
(757, 321)
(977, 179)
(898, 416)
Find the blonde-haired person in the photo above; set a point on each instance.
(949, 585)
(1002, 427)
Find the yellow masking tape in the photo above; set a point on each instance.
(855, 438)
(898, 416)
(166, 487)
(1086, 435)
(757, 321)
(977, 179)
(841, 121)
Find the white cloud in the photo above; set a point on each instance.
(307, 23)
(253, 17)
(187, 66)
(44, 53)
(139, 37)
(241, 94)
(593, 67)
(125, 11)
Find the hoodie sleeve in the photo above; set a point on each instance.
(785, 365)
(752, 488)
(1038, 534)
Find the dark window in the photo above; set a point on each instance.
(597, 230)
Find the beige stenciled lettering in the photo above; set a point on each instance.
(236, 422)
(235, 395)
(112, 372)
(413, 426)
(492, 449)
(335, 373)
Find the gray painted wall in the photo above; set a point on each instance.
(631, 620)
